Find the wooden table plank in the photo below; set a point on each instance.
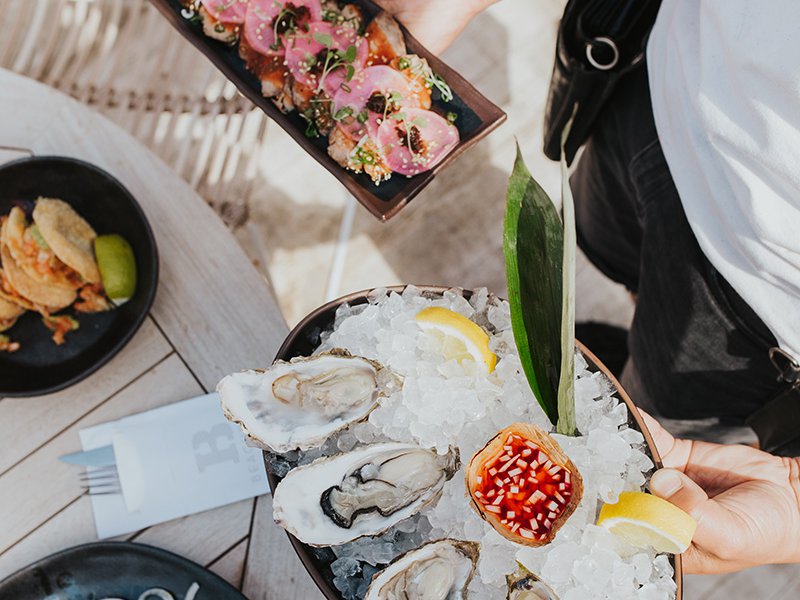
(203, 537)
(273, 570)
(27, 423)
(72, 526)
(40, 486)
(230, 566)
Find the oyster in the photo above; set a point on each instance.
(297, 405)
(529, 587)
(366, 491)
(439, 570)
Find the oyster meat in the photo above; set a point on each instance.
(439, 570)
(529, 587)
(366, 491)
(297, 405)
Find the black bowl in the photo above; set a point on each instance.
(39, 366)
(113, 569)
(305, 338)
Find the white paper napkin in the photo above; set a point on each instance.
(174, 461)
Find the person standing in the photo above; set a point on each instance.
(688, 193)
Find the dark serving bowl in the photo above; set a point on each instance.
(113, 570)
(41, 367)
(477, 116)
(305, 338)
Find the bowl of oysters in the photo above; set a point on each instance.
(408, 458)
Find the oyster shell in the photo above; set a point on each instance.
(529, 587)
(297, 405)
(438, 570)
(366, 491)
(524, 485)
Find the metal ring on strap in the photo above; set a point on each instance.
(788, 368)
(614, 51)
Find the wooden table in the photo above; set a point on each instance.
(213, 314)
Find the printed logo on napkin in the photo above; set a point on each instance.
(174, 461)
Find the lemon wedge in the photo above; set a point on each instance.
(644, 520)
(461, 338)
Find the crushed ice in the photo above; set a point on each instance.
(445, 404)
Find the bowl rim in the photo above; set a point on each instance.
(151, 284)
(303, 551)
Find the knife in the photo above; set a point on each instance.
(99, 457)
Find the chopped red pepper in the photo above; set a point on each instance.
(524, 485)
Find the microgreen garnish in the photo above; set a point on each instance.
(288, 19)
(192, 16)
(420, 68)
(311, 130)
(362, 117)
(324, 38)
(330, 16)
(335, 59)
(436, 81)
(364, 156)
(343, 113)
(337, 18)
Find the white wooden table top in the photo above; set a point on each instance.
(213, 314)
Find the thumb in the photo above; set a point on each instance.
(679, 489)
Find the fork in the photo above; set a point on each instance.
(101, 481)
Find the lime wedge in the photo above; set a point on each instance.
(117, 267)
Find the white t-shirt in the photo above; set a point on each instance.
(725, 86)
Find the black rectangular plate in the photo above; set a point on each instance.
(477, 115)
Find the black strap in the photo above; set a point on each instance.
(777, 423)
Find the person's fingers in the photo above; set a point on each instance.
(674, 452)
(662, 438)
(714, 521)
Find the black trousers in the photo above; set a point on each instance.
(698, 353)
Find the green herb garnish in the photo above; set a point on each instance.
(343, 113)
(324, 39)
(311, 130)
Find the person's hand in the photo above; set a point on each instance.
(746, 502)
(435, 23)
